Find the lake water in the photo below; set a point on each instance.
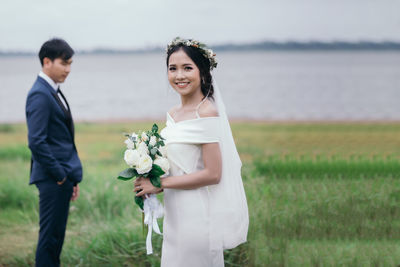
(255, 85)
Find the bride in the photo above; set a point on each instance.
(205, 203)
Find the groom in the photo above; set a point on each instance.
(56, 168)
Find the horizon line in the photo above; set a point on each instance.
(232, 46)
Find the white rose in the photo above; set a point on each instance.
(163, 163)
(145, 164)
(143, 149)
(144, 137)
(153, 141)
(129, 144)
(131, 157)
(163, 151)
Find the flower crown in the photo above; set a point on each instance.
(206, 52)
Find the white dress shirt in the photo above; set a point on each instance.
(53, 85)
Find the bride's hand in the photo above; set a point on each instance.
(145, 187)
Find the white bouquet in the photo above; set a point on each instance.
(146, 157)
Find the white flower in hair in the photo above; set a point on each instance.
(206, 52)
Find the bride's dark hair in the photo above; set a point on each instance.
(201, 62)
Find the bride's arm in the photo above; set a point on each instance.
(211, 174)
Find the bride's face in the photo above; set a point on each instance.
(183, 74)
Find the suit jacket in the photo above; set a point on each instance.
(50, 136)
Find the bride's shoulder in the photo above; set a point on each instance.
(173, 110)
(207, 109)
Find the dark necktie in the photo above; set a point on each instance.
(71, 124)
(65, 102)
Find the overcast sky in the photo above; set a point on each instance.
(125, 24)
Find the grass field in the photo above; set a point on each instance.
(319, 194)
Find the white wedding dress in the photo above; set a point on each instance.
(200, 223)
(186, 227)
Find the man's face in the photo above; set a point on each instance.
(58, 69)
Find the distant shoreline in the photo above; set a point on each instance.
(260, 46)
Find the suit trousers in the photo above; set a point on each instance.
(54, 202)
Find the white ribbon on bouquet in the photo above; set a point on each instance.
(153, 210)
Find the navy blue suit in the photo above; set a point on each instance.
(54, 157)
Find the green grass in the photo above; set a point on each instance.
(333, 166)
(318, 195)
(15, 152)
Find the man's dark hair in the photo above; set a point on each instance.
(55, 48)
